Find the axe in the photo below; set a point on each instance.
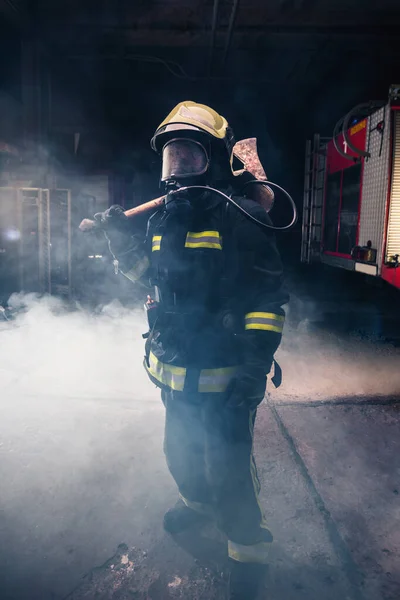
(246, 152)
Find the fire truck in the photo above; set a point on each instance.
(351, 208)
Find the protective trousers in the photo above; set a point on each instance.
(209, 452)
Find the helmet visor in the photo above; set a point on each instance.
(183, 158)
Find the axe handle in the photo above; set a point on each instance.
(89, 224)
(137, 210)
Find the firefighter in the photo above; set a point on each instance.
(214, 325)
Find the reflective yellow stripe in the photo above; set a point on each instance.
(215, 245)
(257, 553)
(156, 242)
(210, 380)
(173, 377)
(203, 239)
(264, 320)
(266, 315)
(215, 380)
(170, 368)
(200, 234)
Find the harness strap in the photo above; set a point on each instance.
(277, 378)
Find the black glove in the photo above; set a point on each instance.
(247, 388)
(116, 226)
(112, 219)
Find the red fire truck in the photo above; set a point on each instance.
(351, 210)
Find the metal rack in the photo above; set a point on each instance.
(42, 221)
(60, 226)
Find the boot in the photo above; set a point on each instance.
(245, 580)
(181, 517)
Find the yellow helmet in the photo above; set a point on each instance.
(191, 116)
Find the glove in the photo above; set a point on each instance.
(112, 219)
(116, 226)
(248, 387)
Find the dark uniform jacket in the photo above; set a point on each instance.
(219, 283)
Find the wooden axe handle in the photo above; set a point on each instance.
(137, 210)
(88, 224)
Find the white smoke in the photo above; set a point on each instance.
(320, 364)
(49, 350)
(81, 431)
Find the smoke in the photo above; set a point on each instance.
(336, 351)
(82, 428)
(81, 433)
(51, 349)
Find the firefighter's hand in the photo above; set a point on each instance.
(247, 388)
(112, 219)
(87, 225)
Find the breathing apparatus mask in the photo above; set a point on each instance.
(184, 160)
(185, 163)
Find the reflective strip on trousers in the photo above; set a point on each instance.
(156, 243)
(203, 239)
(264, 320)
(216, 380)
(173, 377)
(257, 553)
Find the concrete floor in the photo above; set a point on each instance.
(82, 469)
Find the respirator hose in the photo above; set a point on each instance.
(241, 209)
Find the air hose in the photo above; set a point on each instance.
(241, 209)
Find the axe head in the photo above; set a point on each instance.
(246, 152)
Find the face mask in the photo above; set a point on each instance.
(183, 159)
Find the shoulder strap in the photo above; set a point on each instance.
(225, 233)
(154, 221)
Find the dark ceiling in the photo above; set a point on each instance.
(286, 67)
(306, 52)
(308, 48)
